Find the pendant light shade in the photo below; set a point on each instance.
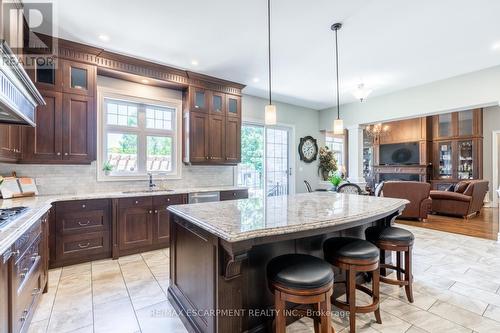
(270, 109)
(270, 114)
(338, 124)
(338, 127)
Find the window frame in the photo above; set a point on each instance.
(142, 133)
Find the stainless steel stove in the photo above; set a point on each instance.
(8, 215)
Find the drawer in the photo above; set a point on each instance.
(135, 202)
(26, 297)
(233, 195)
(26, 263)
(82, 246)
(167, 200)
(83, 205)
(23, 242)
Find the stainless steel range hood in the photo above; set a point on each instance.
(18, 95)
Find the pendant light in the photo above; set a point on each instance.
(270, 109)
(338, 124)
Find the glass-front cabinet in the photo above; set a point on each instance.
(445, 160)
(458, 146)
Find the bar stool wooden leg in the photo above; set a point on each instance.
(398, 264)
(351, 286)
(376, 294)
(409, 274)
(280, 312)
(325, 312)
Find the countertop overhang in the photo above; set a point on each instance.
(245, 219)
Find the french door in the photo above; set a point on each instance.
(265, 166)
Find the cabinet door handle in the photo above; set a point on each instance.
(156, 211)
(206, 157)
(136, 202)
(58, 154)
(84, 246)
(168, 199)
(65, 154)
(150, 212)
(83, 224)
(36, 291)
(83, 206)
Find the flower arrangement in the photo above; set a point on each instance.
(327, 162)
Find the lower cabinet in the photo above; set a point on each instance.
(23, 278)
(4, 294)
(233, 195)
(143, 223)
(82, 231)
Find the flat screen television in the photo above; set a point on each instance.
(400, 154)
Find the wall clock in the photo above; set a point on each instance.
(308, 149)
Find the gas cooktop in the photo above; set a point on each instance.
(8, 215)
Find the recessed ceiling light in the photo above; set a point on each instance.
(194, 62)
(496, 46)
(145, 81)
(255, 79)
(104, 38)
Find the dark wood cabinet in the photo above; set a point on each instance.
(216, 138)
(463, 124)
(143, 223)
(10, 143)
(65, 131)
(79, 124)
(82, 231)
(27, 275)
(197, 140)
(233, 105)
(135, 223)
(161, 224)
(43, 143)
(212, 137)
(198, 99)
(232, 139)
(4, 293)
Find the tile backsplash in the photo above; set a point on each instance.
(75, 179)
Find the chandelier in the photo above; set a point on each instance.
(377, 130)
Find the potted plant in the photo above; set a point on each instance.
(107, 168)
(336, 179)
(327, 162)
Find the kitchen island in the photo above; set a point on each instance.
(219, 250)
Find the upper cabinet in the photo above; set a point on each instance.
(463, 124)
(78, 78)
(212, 127)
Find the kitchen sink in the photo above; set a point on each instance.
(147, 191)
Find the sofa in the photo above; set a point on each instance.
(415, 192)
(464, 199)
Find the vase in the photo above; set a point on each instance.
(325, 175)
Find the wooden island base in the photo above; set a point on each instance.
(217, 286)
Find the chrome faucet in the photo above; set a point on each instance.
(151, 184)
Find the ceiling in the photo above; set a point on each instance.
(387, 44)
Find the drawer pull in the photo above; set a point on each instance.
(83, 224)
(136, 202)
(84, 206)
(168, 200)
(22, 275)
(84, 246)
(36, 291)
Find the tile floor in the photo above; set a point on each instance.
(457, 289)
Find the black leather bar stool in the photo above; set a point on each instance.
(401, 241)
(355, 255)
(301, 279)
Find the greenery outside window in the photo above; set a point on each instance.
(138, 137)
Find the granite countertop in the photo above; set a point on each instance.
(239, 220)
(39, 205)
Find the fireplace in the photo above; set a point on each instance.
(420, 173)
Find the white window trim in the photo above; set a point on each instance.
(102, 94)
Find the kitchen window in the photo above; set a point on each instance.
(138, 137)
(338, 144)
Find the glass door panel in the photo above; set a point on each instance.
(251, 168)
(277, 169)
(465, 161)
(465, 121)
(445, 125)
(445, 160)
